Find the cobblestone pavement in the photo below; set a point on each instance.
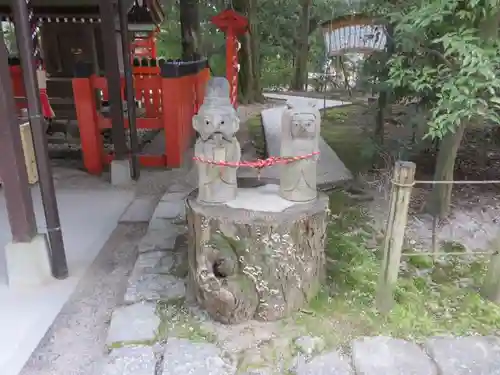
(158, 331)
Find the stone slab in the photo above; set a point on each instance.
(120, 173)
(263, 198)
(387, 356)
(154, 287)
(194, 358)
(180, 188)
(139, 360)
(331, 363)
(170, 209)
(155, 262)
(473, 355)
(133, 324)
(139, 211)
(308, 345)
(160, 236)
(330, 170)
(319, 103)
(259, 371)
(175, 196)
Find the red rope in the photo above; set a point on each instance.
(257, 164)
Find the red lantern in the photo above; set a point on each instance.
(233, 25)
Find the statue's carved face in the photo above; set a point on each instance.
(301, 121)
(212, 122)
(303, 126)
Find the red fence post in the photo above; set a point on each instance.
(86, 113)
(171, 104)
(180, 101)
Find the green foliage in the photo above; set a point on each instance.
(278, 23)
(443, 56)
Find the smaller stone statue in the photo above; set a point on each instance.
(217, 123)
(300, 132)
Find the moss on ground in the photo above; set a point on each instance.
(177, 321)
(344, 129)
(256, 133)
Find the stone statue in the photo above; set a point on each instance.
(217, 123)
(300, 131)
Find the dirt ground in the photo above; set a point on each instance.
(475, 208)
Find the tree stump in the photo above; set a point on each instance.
(246, 264)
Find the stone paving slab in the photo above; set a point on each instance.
(473, 355)
(194, 358)
(331, 363)
(134, 323)
(170, 209)
(160, 236)
(155, 262)
(387, 356)
(154, 287)
(174, 226)
(181, 187)
(139, 360)
(140, 210)
(175, 196)
(259, 371)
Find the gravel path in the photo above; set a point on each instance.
(76, 340)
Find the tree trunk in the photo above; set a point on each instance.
(249, 88)
(255, 48)
(246, 264)
(383, 94)
(440, 199)
(300, 78)
(190, 30)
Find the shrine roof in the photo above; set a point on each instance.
(90, 9)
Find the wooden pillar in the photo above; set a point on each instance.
(37, 122)
(12, 165)
(108, 11)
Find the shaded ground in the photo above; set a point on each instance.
(475, 207)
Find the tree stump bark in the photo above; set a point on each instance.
(252, 264)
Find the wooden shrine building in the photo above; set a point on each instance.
(83, 49)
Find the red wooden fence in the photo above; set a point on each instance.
(168, 103)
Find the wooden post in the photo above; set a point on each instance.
(129, 90)
(491, 287)
(107, 9)
(403, 179)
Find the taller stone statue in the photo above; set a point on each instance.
(300, 132)
(217, 123)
